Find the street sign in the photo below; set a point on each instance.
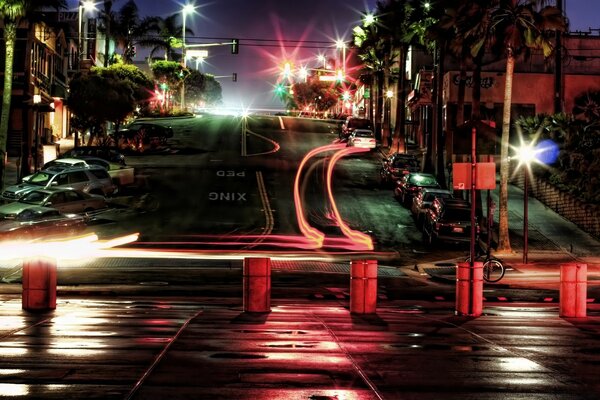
(485, 176)
(196, 53)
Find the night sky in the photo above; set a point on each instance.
(272, 22)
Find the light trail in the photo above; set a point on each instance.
(312, 234)
(360, 239)
(82, 247)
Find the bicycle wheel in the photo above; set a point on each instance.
(493, 270)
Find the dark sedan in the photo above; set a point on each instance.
(36, 222)
(396, 166)
(145, 133)
(410, 184)
(448, 220)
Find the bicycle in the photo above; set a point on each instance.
(493, 268)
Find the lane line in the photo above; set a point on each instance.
(281, 123)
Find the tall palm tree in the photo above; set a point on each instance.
(394, 19)
(375, 52)
(129, 30)
(13, 12)
(518, 26)
(169, 38)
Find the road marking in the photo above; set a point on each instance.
(281, 123)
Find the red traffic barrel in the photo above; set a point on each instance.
(573, 290)
(257, 284)
(363, 286)
(39, 284)
(469, 289)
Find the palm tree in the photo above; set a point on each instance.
(128, 29)
(517, 27)
(170, 35)
(376, 53)
(394, 17)
(13, 12)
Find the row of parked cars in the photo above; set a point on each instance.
(439, 215)
(357, 132)
(57, 200)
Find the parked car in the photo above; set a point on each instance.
(398, 165)
(448, 220)
(363, 138)
(36, 222)
(144, 132)
(121, 174)
(410, 184)
(64, 200)
(92, 179)
(353, 123)
(422, 201)
(106, 153)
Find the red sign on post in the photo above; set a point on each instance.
(485, 176)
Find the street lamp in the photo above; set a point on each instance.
(340, 44)
(526, 154)
(83, 6)
(187, 9)
(322, 59)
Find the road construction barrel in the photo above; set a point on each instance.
(469, 289)
(363, 286)
(573, 290)
(39, 284)
(257, 284)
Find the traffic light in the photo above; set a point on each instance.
(235, 46)
(234, 77)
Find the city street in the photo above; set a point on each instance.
(168, 320)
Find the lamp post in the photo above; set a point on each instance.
(187, 9)
(526, 155)
(340, 44)
(83, 6)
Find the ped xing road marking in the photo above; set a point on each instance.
(227, 196)
(231, 174)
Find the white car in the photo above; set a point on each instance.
(363, 138)
(120, 174)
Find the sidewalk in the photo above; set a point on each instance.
(208, 348)
(11, 173)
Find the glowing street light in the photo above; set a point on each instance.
(323, 60)
(368, 19)
(340, 44)
(287, 69)
(83, 6)
(187, 9)
(526, 154)
(303, 73)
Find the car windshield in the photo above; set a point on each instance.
(405, 163)
(364, 134)
(35, 197)
(422, 180)
(432, 196)
(40, 178)
(359, 124)
(457, 214)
